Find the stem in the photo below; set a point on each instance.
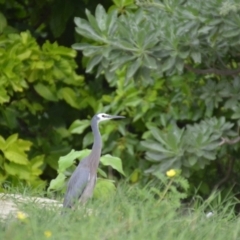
(165, 191)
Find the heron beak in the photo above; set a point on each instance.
(115, 117)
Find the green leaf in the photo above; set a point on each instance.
(69, 96)
(174, 138)
(10, 117)
(111, 22)
(100, 14)
(3, 96)
(114, 162)
(3, 22)
(45, 92)
(168, 64)
(205, 29)
(105, 188)
(37, 161)
(23, 172)
(157, 135)
(211, 146)
(149, 62)
(209, 155)
(23, 145)
(88, 139)
(13, 154)
(120, 61)
(2, 143)
(11, 139)
(88, 50)
(58, 183)
(123, 3)
(83, 28)
(58, 18)
(35, 165)
(170, 164)
(236, 116)
(93, 21)
(82, 46)
(68, 160)
(150, 40)
(154, 146)
(102, 173)
(78, 126)
(196, 57)
(192, 160)
(93, 62)
(25, 55)
(132, 68)
(153, 156)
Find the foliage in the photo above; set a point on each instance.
(159, 38)
(172, 188)
(66, 167)
(42, 68)
(188, 149)
(184, 100)
(35, 83)
(46, 19)
(15, 164)
(171, 67)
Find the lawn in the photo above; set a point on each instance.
(132, 213)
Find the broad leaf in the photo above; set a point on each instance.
(93, 62)
(68, 160)
(132, 68)
(114, 162)
(105, 188)
(69, 96)
(101, 17)
(78, 126)
(45, 92)
(11, 139)
(21, 171)
(57, 183)
(13, 154)
(152, 145)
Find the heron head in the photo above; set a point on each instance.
(103, 117)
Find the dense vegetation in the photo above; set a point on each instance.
(171, 67)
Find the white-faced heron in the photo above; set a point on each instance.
(82, 182)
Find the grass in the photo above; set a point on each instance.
(133, 214)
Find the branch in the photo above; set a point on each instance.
(225, 72)
(228, 173)
(228, 141)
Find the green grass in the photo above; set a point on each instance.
(133, 213)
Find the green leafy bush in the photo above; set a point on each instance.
(172, 188)
(36, 82)
(184, 100)
(171, 66)
(188, 149)
(46, 69)
(159, 38)
(15, 164)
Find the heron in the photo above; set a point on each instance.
(82, 182)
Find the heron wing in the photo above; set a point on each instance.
(76, 185)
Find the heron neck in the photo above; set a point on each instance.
(97, 143)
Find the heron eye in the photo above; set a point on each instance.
(104, 116)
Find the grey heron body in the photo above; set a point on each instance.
(82, 182)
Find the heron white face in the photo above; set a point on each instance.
(103, 117)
